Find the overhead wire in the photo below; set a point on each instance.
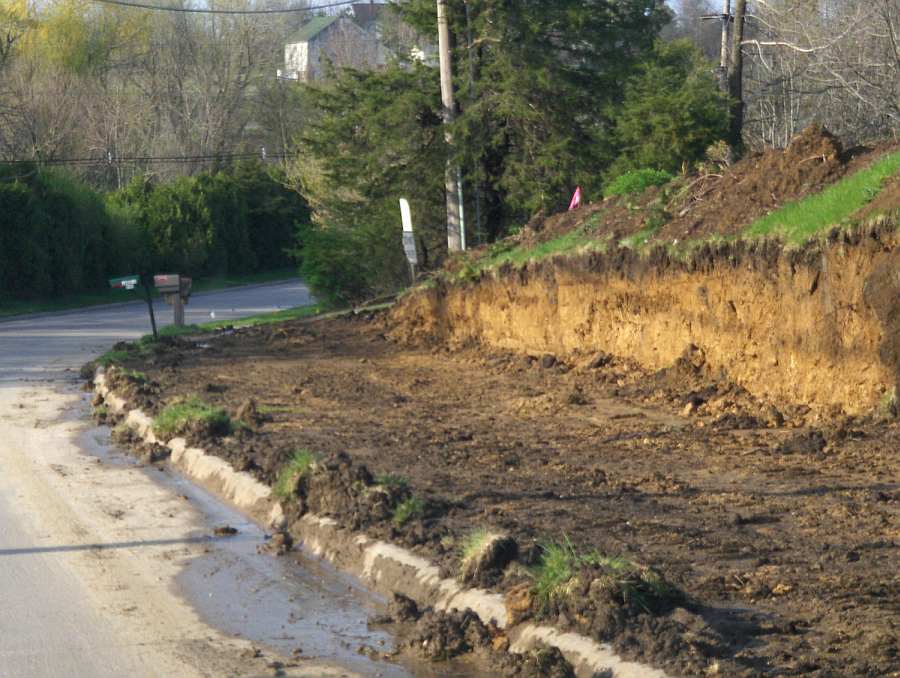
(147, 159)
(200, 10)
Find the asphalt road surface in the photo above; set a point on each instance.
(103, 562)
(43, 347)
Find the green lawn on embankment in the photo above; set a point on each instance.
(799, 221)
(794, 223)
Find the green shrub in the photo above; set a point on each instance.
(635, 182)
(672, 110)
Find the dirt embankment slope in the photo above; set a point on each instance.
(816, 327)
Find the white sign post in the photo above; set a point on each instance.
(409, 239)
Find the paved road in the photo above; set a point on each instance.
(93, 548)
(44, 347)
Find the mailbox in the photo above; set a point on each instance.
(129, 282)
(184, 287)
(167, 283)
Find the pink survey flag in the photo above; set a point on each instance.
(576, 199)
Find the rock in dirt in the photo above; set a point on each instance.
(153, 453)
(443, 635)
(600, 360)
(249, 413)
(548, 662)
(548, 361)
(811, 442)
(485, 565)
(403, 609)
(518, 601)
(278, 544)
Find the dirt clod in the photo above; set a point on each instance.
(403, 609)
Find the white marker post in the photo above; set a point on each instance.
(409, 239)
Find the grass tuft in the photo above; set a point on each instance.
(408, 510)
(298, 466)
(556, 576)
(177, 416)
(474, 543)
(391, 480)
(797, 222)
(113, 358)
(635, 182)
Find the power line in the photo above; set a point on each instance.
(148, 159)
(198, 10)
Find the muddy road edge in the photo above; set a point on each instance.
(383, 567)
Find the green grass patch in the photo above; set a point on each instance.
(799, 221)
(474, 543)
(636, 182)
(175, 418)
(224, 282)
(114, 358)
(135, 375)
(408, 510)
(298, 466)
(555, 577)
(575, 240)
(391, 480)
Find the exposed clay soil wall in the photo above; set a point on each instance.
(818, 326)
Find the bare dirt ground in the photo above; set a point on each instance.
(785, 538)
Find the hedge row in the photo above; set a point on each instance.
(58, 236)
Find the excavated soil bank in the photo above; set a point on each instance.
(813, 328)
(783, 537)
(720, 201)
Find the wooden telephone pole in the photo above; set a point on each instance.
(731, 64)
(736, 75)
(452, 180)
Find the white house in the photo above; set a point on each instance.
(356, 41)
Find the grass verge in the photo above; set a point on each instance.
(178, 416)
(297, 467)
(798, 221)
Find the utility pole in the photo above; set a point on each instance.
(736, 75)
(451, 173)
(725, 17)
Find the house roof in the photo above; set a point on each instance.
(313, 27)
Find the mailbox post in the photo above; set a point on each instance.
(129, 282)
(176, 289)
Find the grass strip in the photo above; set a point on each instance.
(178, 416)
(797, 222)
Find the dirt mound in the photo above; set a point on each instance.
(724, 204)
(440, 636)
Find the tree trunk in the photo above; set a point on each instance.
(736, 75)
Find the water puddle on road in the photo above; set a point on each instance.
(296, 605)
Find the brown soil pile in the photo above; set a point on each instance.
(782, 537)
(725, 204)
(719, 202)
